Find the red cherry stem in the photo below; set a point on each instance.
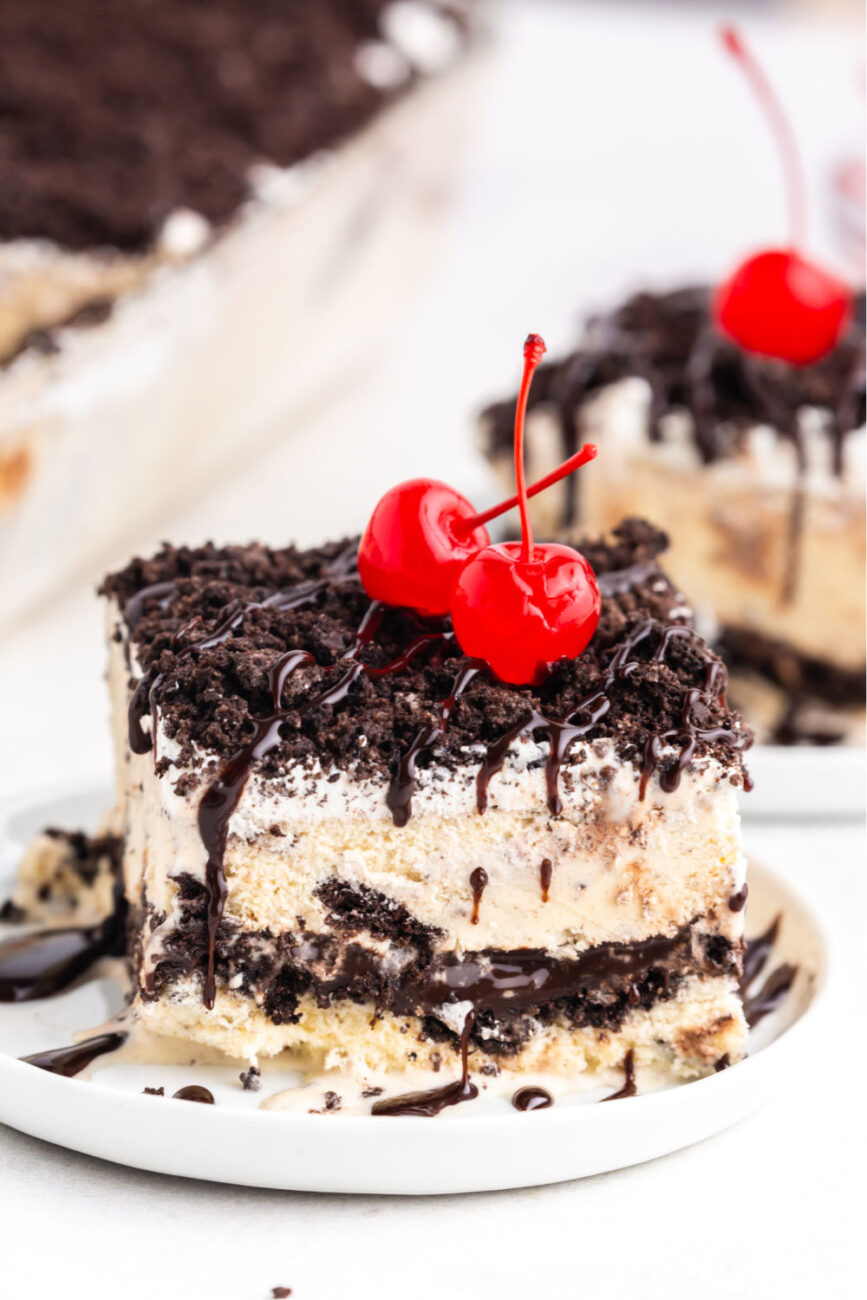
(534, 350)
(587, 453)
(781, 127)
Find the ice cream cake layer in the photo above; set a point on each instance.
(350, 841)
(215, 207)
(758, 467)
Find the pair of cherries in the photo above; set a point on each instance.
(519, 606)
(778, 303)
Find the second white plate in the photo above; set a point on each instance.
(806, 781)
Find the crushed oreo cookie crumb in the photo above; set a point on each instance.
(251, 1079)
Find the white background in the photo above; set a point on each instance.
(616, 146)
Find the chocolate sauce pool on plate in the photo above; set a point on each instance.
(45, 962)
(71, 1060)
(772, 993)
(194, 1092)
(532, 1098)
(429, 1103)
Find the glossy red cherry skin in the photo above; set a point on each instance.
(780, 305)
(522, 616)
(413, 549)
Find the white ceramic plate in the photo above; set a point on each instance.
(479, 1146)
(806, 781)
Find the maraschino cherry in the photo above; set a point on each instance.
(522, 606)
(778, 303)
(422, 533)
(412, 549)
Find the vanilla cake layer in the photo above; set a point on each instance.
(686, 1036)
(219, 328)
(767, 523)
(557, 920)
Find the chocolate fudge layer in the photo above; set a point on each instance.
(345, 838)
(759, 468)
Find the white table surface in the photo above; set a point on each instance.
(639, 156)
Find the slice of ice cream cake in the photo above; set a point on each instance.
(345, 838)
(759, 468)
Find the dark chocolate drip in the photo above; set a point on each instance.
(71, 1060)
(737, 902)
(546, 873)
(783, 415)
(629, 1089)
(757, 952)
(532, 1098)
(561, 735)
(687, 736)
(478, 881)
(429, 1103)
(773, 991)
(722, 1063)
(195, 1092)
(771, 994)
(44, 962)
(223, 795)
(221, 799)
(143, 701)
(402, 786)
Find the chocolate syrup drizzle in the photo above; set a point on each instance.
(429, 1103)
(478, 882)
(44, 962)
(561, 735)
(399, 796)
(70, 1061)
(546, 874)
(532, 1098)
(222, 796)
(775, 988)
(737, 902)
(629, 1088)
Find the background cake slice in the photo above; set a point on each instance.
(343, 838)
(758, 466)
